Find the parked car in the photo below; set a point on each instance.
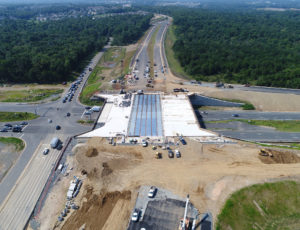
(152, 192)
(144, 143)
(136, 215)
(46, 151)
(170, 153)
(182, 141)
(177, 153)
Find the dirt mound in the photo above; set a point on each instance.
(95, 211)
(91, 152)
(280, 157)
(106, 170)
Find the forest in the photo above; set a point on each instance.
(256, 47)
(48, 52)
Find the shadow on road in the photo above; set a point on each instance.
(200, 118)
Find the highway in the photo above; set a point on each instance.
(22, 186)
(216, 115)
(143, 57)
(244, 131)
(254, 88)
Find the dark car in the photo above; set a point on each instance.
(8, 125)
(68, 114)
(235, 115)
(170, 154)
(182, 141)
(60, 146)
(57, 127)
(24, 123)
(3, 130)
(87, 107)
(17, 129)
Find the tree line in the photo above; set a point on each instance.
(46, 52)
(255, 47)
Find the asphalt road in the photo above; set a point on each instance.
(255, 88)
(244, 131)
(215, 115)
(143, 57)
(22, 186)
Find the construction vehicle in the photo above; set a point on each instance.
(149, 85)
(158, 155)
(265, 153)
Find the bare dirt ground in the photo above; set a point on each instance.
(114, 175)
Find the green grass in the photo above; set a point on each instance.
(174, 64)
(279, 208)
(16, 116)
(150, 50)
(18, 143)
(28, 95)
(113, 54)
(280, 125)
(85, 122)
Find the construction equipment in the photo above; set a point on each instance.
(158, 155)
(265, 153)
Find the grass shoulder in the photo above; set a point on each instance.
(173, 62)
(262, 206)
(18, 143)
(16, 116)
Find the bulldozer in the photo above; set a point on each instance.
(265, 153)
(158, 155)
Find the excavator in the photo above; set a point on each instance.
(265, 153)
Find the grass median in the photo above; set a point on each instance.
(150, 50)
(280, 125)
(16, 116)
(262, 206)
(18, 143)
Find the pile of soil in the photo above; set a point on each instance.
(91, 152)
(95, 211)
(280, 157)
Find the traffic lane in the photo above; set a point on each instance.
(241, 130)
(214, 115)
(262, 136)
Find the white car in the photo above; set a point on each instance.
(152, 192)
(46, 151)
(135, 215)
